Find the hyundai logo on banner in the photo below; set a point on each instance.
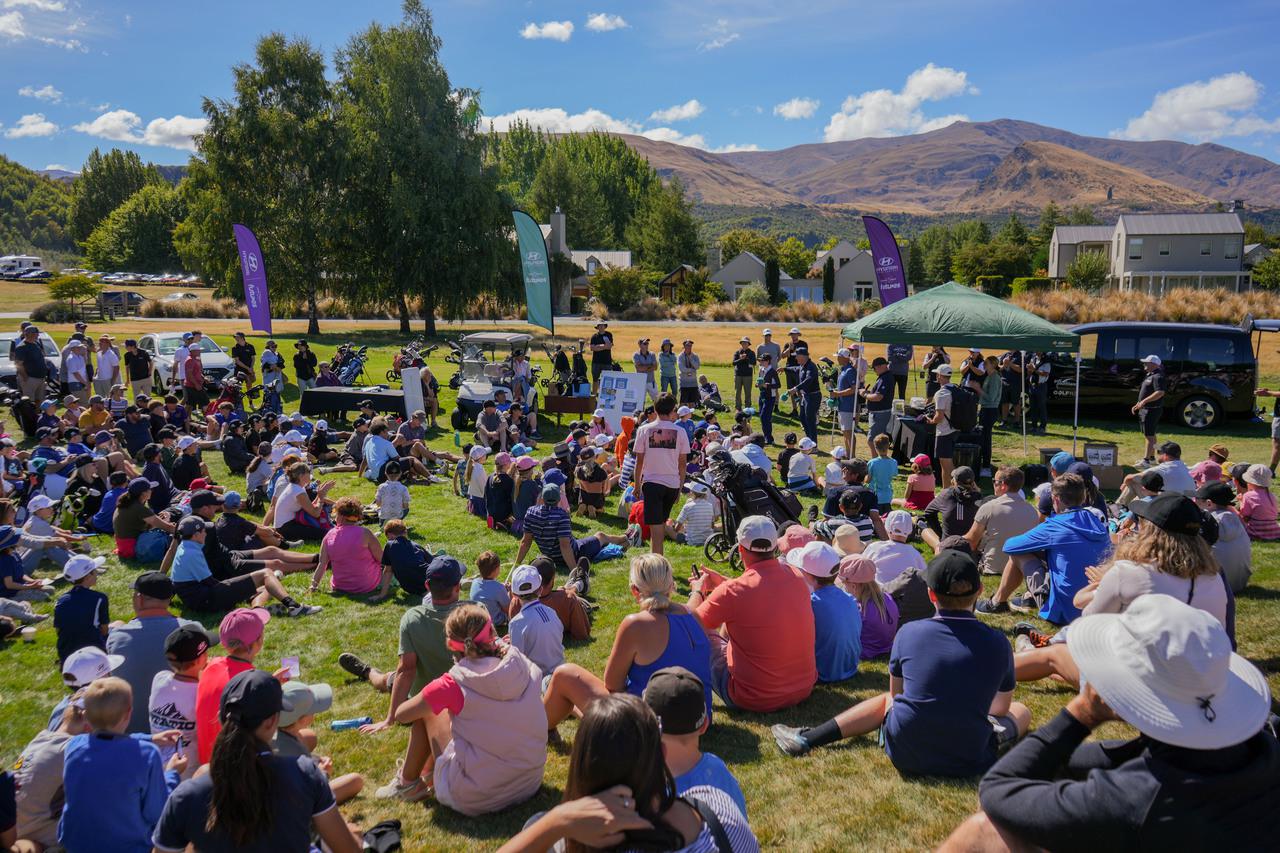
(886, 262)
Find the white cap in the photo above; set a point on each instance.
(843, 352)
(713, 447)
(755, 531)
(322, 425)
(598, 413)
(698, 488)
(807, 443)
(794, 331)
(943, 370)
(40, 502)
(293, 435)
(602, 440)
(898, 523)
(185, 442)
(815, 558)
(296, 416)
(79, 566)
(479, 451)
(974, 349)
(839, 453)
(767, 332)
(87, 665)
(683, 412)
(525, 580)
(1152, 359)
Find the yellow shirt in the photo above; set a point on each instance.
(92, 421)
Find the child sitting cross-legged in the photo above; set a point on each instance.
(407, 559)
(81, 614)
(171, 705)
(392, 497)
(490, 591)
(535, 630)
(894, 556)
(295, 738)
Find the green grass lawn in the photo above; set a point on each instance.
(837, 798)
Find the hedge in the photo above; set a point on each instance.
(1026, 284)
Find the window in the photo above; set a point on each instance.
(1216, 351)
(1135, 248)
(1129, 347)
(1164, 248)
(1231, 249)
(1205, 248)
(591, 267)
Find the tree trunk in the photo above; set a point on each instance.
(313, 313)
(429, 312)
(402, 306)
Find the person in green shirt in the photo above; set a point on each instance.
(989, 402)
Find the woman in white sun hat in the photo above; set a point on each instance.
(1204, 771)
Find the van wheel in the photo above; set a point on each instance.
(1200, 412)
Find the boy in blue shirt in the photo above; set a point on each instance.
(408, 560)
(72, 435)
(837, 621)
(115, 784)
(881, 471)
(678, 698)
(949, 708)
(101, 521)
(81, 615)
(490, 591)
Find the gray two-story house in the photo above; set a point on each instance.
(1153, 252)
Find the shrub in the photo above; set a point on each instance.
(1089, 271)
(206, 308)
(649, 308)
(1211, 305)
(55, 312)
(712, 292)
(1026, 284)
(619, 288)
(993, 285)
(754, 294)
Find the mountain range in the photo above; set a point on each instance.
(974, 167)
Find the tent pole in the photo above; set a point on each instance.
(1022, 402)
(1075, 426)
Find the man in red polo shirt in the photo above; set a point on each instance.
(763, 660)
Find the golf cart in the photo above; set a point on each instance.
(480, 372)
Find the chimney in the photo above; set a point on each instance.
(1237, 204)
(556, 240)
(713, 259)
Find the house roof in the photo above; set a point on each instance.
(608, 258)
(1249, 247)
(1181, 223)
(821, 260)
(1083, 233)
(682, 268)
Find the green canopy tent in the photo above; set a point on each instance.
(954, 315)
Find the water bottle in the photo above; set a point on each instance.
(457, 438)
(343, 725)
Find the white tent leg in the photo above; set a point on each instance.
(1022, 402)
(1075, 426)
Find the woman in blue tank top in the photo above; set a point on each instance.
(663, 633)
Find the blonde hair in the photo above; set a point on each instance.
(653, 578)
(462, 626)
(297, 471)
(1182, 555)
(867, 592)
(106, 701)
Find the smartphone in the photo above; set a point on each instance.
(693, 570)
(291, 663)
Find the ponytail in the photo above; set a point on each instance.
(243, 781)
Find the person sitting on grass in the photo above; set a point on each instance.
(551, 527)
(253, 798)
(171, 703)
(295, 512)
(235, 453)
(857, 508)
(295, 737)
(1258, 504)
(38, 777)
(1201, 772)
(100, 521)
(108, 761)
(921, 484)
(237, 533)
(696, 520)
(801, 470)
(19, 587)
(490, 750)
(593, 483)
(81, 615)
(663, 633)
(949, 708)
(500, 494)
(535, 629)
(568, 602)
(951, 513)
(354, 554)
(852, 478)
(837, 623)
(489, 591)
(894, 556)
(407, 559)
(789, 449)
(877, 609)
(1209, 470)
(618, 772)
(1232, 549)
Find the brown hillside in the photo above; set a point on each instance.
(706, 176)
(1036, 173)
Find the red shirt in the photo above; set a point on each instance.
(208, 696)
(636, 516)
(768, 619)
(193, 371)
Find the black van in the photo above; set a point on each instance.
(1211, 371)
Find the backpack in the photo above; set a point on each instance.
(963, 416)
(910, 592)
(151, 546)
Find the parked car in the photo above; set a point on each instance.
(8, 373)
(36, 275)
(178, 297)
(123, 300)
(1211, 370)
(162, 346)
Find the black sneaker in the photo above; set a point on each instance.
(990, 607)
(354, 665)
(1024, 603)
(580, 576)
(1036, 639)
(813, 513)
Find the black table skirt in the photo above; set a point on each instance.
(320, 401)
(910, 438)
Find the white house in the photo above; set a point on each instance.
(746, 269)
(590, 261)
(855, 271)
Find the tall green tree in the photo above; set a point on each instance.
(1012, 231)
(271, 158)
(1266, 273)
(664, 232)
(915, 264)
(138, 235)
(795, 257)
(33, 211)
(986, 259)
(424, 205)
(1089, 270)
(105, 181)
(1050, 218)
(772, 281)
(517, 154)
(1080, 214)
(560, 184)
(970, 231)
(937, 258)
(738, 240)
(829, 280)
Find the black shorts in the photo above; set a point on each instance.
(595, 500)
(1148, 419)
(597, 369)
(944, 446)
(659, 500)
(690, 397)
(196, 399)
(213, 595)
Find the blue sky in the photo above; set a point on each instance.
(716, 74)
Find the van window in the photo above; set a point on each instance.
(1131, 347)
(1217, 351)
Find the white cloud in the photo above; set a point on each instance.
(11, 25)
(1202, 110)
(796, 108)
(734, 147)
(721, 34)
(126, 126)
(58, 167)
(556, 120)
(44, 93)
(554, 30)
(31, 126)
(603, 23)
(667, 134)
(680, 112)
(886, 113)
(38, 5)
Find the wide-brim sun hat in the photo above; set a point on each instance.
(1167, 669)
(1258, 475)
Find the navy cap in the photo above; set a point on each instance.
(445, 570)
(252, 697)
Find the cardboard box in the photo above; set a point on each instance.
(1101, 454)
(1110, 477)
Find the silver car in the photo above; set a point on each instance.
(8, 373)
(163, 345)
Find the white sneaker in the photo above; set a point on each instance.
(410, 792)
(305, 610)
(1142, 464)
(1022, 643)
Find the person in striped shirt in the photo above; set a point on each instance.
(697, 517)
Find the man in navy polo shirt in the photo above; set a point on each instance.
(949, 708)
(137, 432)
(879, 399)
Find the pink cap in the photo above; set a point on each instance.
(502, 460)
(921, 459)
(795, 537)
(856, 568)
(524, 463)
(243, 626)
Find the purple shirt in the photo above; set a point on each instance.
(878, 631)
